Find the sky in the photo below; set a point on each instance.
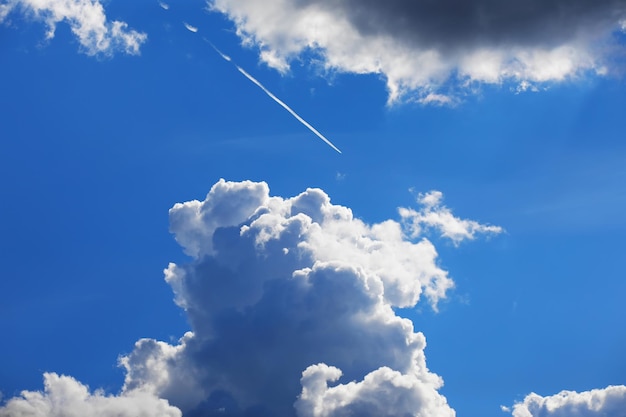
(312, 208)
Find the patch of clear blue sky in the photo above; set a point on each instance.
(93, 152)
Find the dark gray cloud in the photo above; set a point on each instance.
(452, 24)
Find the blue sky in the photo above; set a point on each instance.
(98, 140)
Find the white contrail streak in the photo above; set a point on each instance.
(190, 28)
(223, 55)
(286, 107)
(273, 97)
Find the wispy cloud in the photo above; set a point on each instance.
(276, 99)
(164, 6)
(444, 48)
(434, 214)
(87, 20)
(437, 99)
(4, 10)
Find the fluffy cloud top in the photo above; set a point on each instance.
(65, 397)
(420, 45)
(87, 20)
(284, 293)
(607, 402)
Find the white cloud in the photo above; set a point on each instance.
(63, 396)
(437, 99)
(419, 46)
(88, 23)
(279, 284)
(435, 215)
(607, 402)
(326, 232)
(382, 393)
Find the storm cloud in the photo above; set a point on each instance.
(450, 25)
(435, 51)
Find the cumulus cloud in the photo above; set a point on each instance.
(285, 295)
(419, 46)
(87, 20)
(63, 396)
(607, 402)
(291, 307)
(437, 216)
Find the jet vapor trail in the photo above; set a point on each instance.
(273, 97)
(190, 28)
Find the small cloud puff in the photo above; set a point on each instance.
(87, 20)
(607, 402)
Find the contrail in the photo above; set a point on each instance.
(273, 97)
(190, 28)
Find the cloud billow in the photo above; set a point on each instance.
(287, 295)
(291, 307)
(435, 51)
